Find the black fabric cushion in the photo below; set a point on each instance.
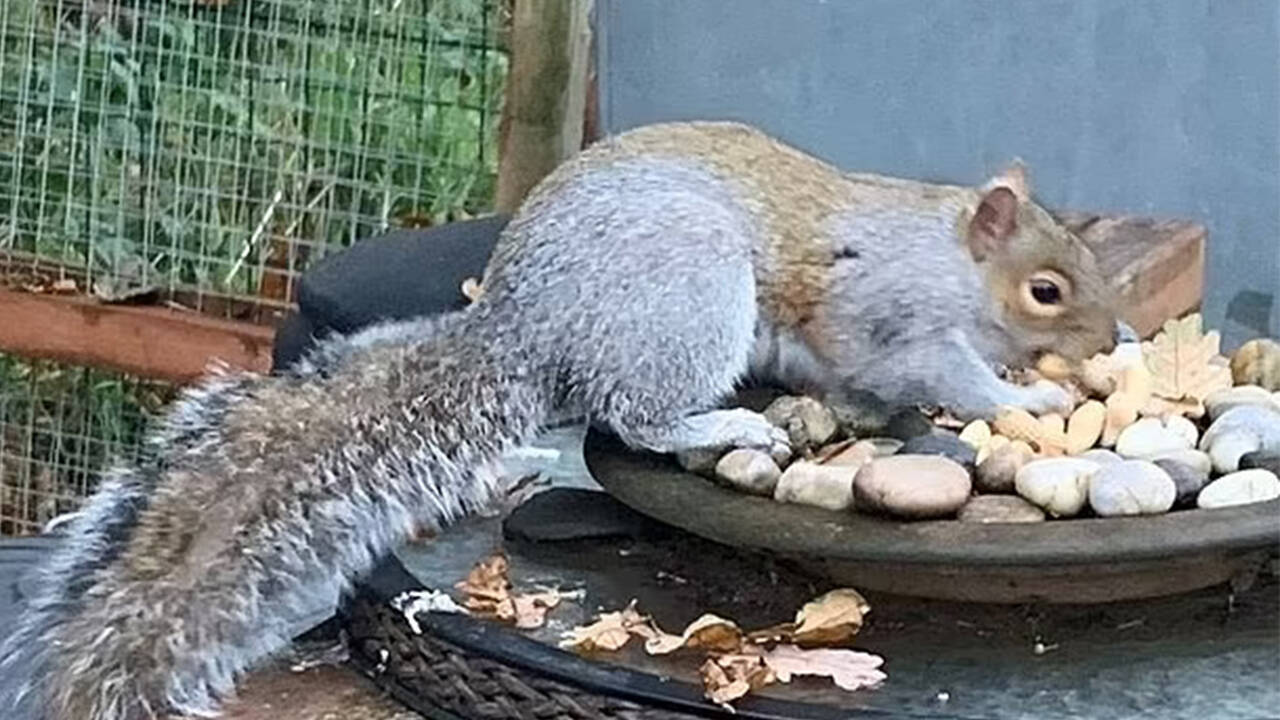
(401, 274)
(294, 337)
(397, 275)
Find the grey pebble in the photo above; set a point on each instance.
(945, 444)
(908, 423)
(1262, 460)
(1187, 480)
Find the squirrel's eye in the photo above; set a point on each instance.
(1046, 292)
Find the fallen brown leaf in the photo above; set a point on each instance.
(487, 584)
(1157, 406)
(709, 631)
(831, 619)
(848, 669)
(610, 631)
(713, 633)
(728, 677)
(738, 663)
(530, 610)
(488, 590)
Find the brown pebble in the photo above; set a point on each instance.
(996, 473)
(850, 454)
(912, 486)
(1257, 362)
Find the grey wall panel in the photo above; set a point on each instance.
(1165, 107)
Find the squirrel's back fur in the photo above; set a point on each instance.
(637, 284)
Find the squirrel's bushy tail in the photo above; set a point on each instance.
(256, 494)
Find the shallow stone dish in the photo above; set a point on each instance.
(1077, 561)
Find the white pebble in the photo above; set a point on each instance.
(1242, 429)
(1240, 488)
(1133, 487)
(1059, 485)
(750, 471)
(1150, 437)
(824, 486)
(1220, 401)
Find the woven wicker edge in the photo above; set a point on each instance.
(464, 667)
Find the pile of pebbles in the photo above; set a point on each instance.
(1117, 454)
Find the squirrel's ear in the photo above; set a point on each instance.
(995, 220)
(1015, 177)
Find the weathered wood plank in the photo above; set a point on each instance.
(150, 342)
(545, 101)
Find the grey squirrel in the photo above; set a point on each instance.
(636, 286)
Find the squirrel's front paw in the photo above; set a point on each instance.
(1044, 397)
(742, 428)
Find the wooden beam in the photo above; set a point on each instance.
(149, 342)
(544, 104)
(591, 129)
(1156, 266)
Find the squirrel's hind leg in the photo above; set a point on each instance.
(653, 370)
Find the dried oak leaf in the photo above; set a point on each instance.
(530, 610)
(488, 590)
(830, 619)
(782, 632)
(610, 631)
(848, 669)
(710, 632)
(1184, 362)
(1157, 406)
(487, 585)
(728, 677)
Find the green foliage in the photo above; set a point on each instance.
(165, 140)
(59, 428)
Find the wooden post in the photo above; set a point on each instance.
(545, 97)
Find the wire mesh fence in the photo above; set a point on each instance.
(210, 149)
(205, 152)
(59, 428)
